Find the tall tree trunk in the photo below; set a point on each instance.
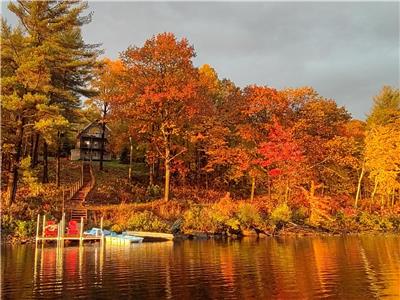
(35, 150)
(374, 191)
(58, 169)
(130, 160)
(32, 142)
(253, 187)
(167, 173)
(45, 177)
(13, 179)
(103, 134)
(287, 191)
(197, 158)
(151, 174)
(359, 186)
(58, 160)
(25, 147)
(157, 171)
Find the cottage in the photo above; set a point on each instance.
(88, 143)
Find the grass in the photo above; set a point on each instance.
(112, 184)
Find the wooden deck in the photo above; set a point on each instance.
(152, 235)
(62, 234)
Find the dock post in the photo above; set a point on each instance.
(63, 225)
(44, 225)
(101, 227)
(58, 235)
(37, 228)
(81, 232)
(63, 201)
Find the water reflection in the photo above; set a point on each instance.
(353, 267)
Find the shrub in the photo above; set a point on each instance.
(24, 228)
(223, 210)
(395, 220)
(199, 218)
(300, 215)
(368, 221)
(385, 224)
(153, 191)
(146, 221)
(168, 210)
(345, 220)
(248, 216)
(7, 224)
(281, 214)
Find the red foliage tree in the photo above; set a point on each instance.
(281, 155)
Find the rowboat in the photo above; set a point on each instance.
(113, 237)
(123, 239)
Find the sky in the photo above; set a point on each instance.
(346, 50)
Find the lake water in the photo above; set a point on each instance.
(349, 267)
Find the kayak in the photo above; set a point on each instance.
(98, 232)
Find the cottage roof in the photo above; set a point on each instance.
(95, 122)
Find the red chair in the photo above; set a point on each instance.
(51, 229)
(73, 227)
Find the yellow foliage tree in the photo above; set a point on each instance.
(382, 159)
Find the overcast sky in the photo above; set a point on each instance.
(346, 51)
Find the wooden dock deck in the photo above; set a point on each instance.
(152, 235)
(63, 236)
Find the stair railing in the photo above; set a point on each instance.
(70, 191)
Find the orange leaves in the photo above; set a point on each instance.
(226, 133)
(259, 98)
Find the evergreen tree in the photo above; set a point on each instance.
(47, 69)
(25, 84)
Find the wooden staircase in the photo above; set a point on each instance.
(78, 213)
(76, 203)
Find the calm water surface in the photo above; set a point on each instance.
(351, 267)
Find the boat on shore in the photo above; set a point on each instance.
(113, 237)
(123, 239)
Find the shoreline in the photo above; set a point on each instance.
(198, 235)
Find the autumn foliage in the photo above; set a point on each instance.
(291, 153)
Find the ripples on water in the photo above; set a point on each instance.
(351, 267)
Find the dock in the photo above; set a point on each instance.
(152, 235)
(71, 238)
(61, 236)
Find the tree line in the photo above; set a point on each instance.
(191, 127)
